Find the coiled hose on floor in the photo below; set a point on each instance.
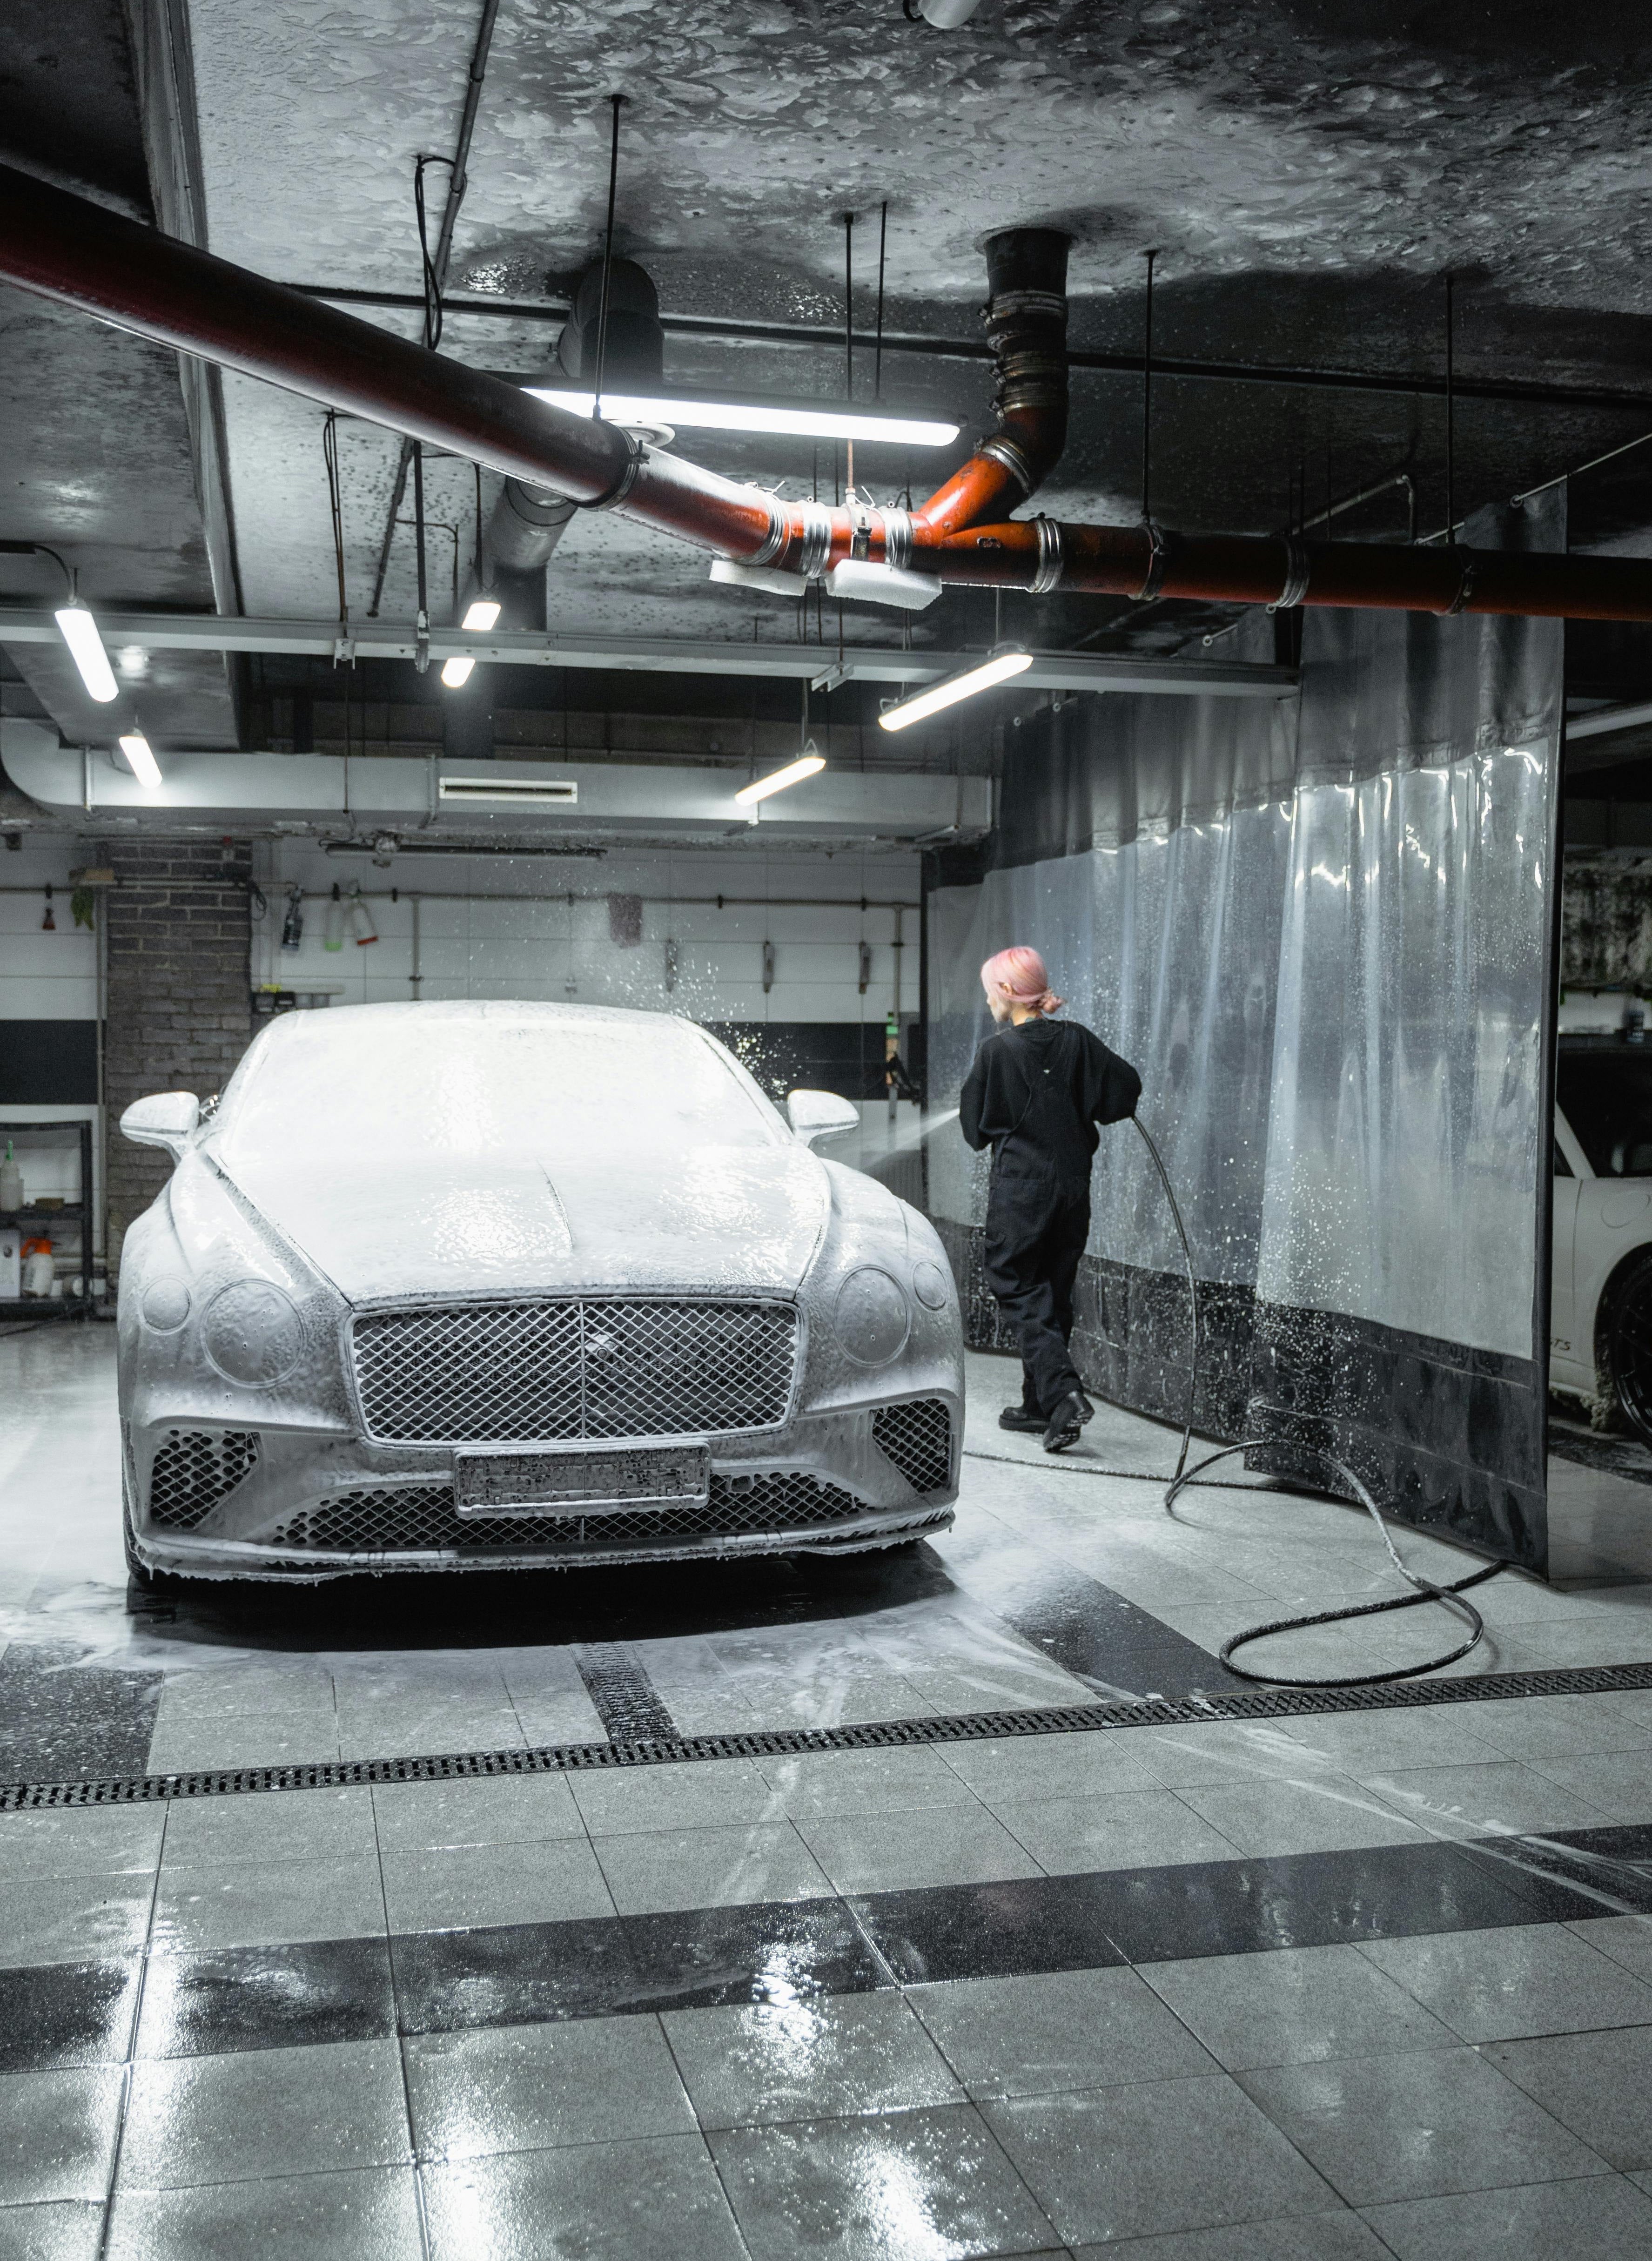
(1424, 1589)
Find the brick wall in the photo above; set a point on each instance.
(179, 1006)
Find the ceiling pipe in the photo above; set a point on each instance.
(80, 254)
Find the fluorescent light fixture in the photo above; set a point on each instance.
(86, 648)
(481, 613)
(776, 780)
(145, 767)
(951, 688)
(796, 420)
(457, 670)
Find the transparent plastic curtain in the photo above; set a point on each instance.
(1320, 931)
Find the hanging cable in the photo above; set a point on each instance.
(432, 281)
(335, 503)
(1451, 511)
(607, 257)
(877, 351)
(1146, 402)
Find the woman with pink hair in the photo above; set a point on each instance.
(1036, 1093)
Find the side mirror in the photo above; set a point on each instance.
(819, 1114)
(166, 1118)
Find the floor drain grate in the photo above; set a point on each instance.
(874, 1736)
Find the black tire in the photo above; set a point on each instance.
(1629, 1347)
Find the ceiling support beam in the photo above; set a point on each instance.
(812, 663)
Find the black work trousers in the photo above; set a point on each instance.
(1036, 1230)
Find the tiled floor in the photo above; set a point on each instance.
(1317, 1988)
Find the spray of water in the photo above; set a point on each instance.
(916, 1135)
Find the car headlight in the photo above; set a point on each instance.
(870, 1318)
(166, 1306)
(929, 1285)
(252, 1333)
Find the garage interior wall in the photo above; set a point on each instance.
(1322, 931)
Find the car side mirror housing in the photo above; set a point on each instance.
(166, 1118)
(819, 1114)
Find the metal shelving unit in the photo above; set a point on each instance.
(36, 1137)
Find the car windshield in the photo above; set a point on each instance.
(409, 1086)
(1605, 1095)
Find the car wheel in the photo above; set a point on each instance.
(1629, 1347)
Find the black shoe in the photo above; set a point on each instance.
(1022, 1417)
(1067, 1419)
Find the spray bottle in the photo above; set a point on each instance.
(292, 925)
(333, 932)
(10, 1185)
(361, 918)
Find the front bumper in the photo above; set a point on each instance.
(211, 1502)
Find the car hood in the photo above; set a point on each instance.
(710, 1218)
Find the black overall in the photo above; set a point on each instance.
(1036, 1095)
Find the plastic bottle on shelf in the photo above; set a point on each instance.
(333, 932)
(10, 1185)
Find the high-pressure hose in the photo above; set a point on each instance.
(1449, 1598)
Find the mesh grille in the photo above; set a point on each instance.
(194, 1469)
(918, 1439)
(423, 1516)
(490, 1373)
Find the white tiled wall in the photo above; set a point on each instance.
(43, 977)
(492, 927)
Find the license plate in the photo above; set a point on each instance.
(574, 1483)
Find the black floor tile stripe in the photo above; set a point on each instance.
(626, 1700)
(872, 1735)
(60, 1718)
(221, 2000)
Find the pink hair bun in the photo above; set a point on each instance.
(1019, 977)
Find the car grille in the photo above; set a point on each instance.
(487, 1373)
(194, 1469)
(918, 1439)
(421, 1516)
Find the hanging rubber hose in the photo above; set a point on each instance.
(1449, 1598)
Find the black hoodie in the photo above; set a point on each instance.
(1036, 1093)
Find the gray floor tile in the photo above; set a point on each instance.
(455, 1886)
(865, 1782)
(803, 2060)
(1598, 2084)
(1024, 1766)
(1124, 1829)
(901, 2186)
(529, 2088)
(896, 1852)
(598, 2201)
(1627, 1939)
(393, 1730)
(1539, 1727)
(1359, 1742)
(1329, 1813)
(1227, 1753)
(710, 1868)
(263, 1905)
(257, 1686)
(370, 2216)
(417, 1816)
(1157, 2156)
(259, 1738)
(310, 1825)
(1417, 2126)
(74, 1841)
(62, 2230)
(1472, 1799)
(1600, 2219)
(1502, 1985)
(1294, 2007)
(1028, 2036)
(1618, 1784)
(259, 2113)
(552, 1719)
(724, 1794)
(57, 2133)
(1341, 2236)
(79, 1920)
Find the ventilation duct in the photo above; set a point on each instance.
(78, 252)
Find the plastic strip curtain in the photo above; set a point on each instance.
(1320, 929)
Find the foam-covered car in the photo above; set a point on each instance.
(477, 1285)
(1600, 1325)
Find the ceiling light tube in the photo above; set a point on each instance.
(457, 671)
(796, 419)
(86, 648)
(481, 613)
(145, 767)
(951, 688)
(776, 780)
